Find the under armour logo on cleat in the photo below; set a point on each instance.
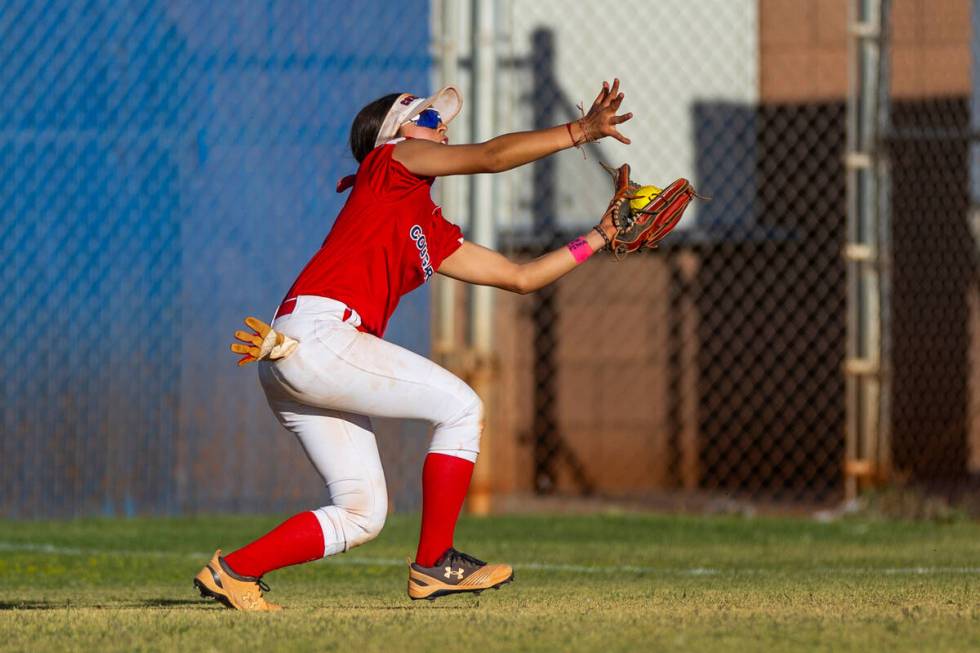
(450, 572)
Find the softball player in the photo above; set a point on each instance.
(326, 370)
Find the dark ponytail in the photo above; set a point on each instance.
(367, 124)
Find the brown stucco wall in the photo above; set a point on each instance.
(803, 49)
(658, 441)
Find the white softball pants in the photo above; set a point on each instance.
(325, 391)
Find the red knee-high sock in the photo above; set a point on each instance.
(445, 480)
(298, 539)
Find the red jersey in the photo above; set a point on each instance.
(387, 241)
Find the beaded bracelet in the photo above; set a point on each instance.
(602, 233)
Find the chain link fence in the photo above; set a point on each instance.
(935, 278)
(715, 366)
(168, 167)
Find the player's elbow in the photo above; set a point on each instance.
(492, 158)
(520, 283)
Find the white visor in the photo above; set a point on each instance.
(447, 102)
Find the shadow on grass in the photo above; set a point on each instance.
(34, 605)
(162, 602)
(167, 603)
(413, 606)
(65, 605)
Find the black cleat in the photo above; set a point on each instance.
(454, 573)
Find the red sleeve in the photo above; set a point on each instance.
(446, 238)
(388, 179)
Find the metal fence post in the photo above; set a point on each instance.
(866, 251)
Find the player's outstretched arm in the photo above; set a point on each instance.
(637, 217)
(430, 159)
(485, 267)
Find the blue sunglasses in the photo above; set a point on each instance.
(429, 118)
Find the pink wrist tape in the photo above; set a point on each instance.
(580, 249)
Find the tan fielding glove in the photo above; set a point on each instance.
(642, 215)
(266, 342)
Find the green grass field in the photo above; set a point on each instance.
(613, 582)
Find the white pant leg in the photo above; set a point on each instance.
(336, 367)
(344, 451)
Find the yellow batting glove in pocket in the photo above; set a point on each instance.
(264, 343)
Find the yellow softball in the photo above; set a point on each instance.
(643, 196)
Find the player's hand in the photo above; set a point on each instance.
(601, 120)
(607, 223)
(253, 349)
(264, 342)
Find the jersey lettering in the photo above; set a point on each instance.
(419, 237)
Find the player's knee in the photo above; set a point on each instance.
(473, 439)
(460, 436)
(365, 510)
(364, 526)
(358, 512)
(473, 411)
